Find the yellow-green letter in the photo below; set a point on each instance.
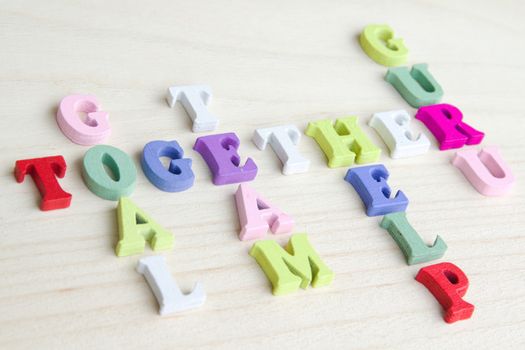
(380, 45)
(135, 227)
(344, 142)
(292, 267)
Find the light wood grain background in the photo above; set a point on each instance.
(269, 63)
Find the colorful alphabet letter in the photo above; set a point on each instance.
(448, 283)
(123, 176)
(44, 172)
(370, 184)
(379, 44)
(283, 140)
(445, 122)
(394, 129)
(295, 266)
(135, 227)
(344, 142)
(220, 153)
(486, 170)
(166, 291)
(417, 86)
(194, 99)
(257, 215)
(93, 130)
(408, 240)
(177, 177)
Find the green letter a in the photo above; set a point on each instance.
(135, 227)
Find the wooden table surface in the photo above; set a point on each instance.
(268, 63)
